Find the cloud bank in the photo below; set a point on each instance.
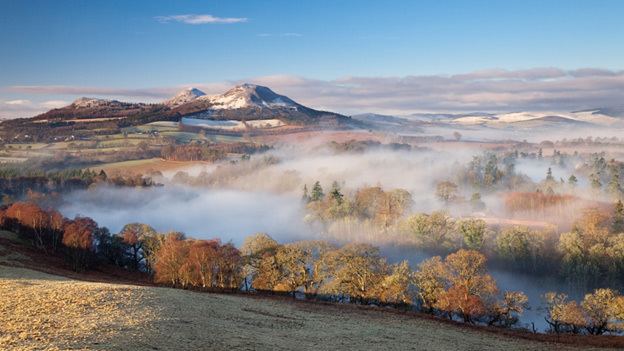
(493, 90)
(199, 19)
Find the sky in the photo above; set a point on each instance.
(349, 56)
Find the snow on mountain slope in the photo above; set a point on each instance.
(249, 95)
(590, 116)
(185, 96)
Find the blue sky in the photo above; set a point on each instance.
(142, 44)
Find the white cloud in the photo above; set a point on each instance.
(199, 19)
(17, 102)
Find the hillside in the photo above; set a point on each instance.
(116, 316)
(103, 312)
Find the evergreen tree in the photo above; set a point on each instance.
(335, 193)
(614, 180)
(549, 176)
(306, 196)
(572, 180)
(317, 192)
(595, 180)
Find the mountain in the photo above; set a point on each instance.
(86, 108)
(241, 103)
(254, 102)
(594, 117)
(184, 96)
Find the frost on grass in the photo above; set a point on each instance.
(40, 311)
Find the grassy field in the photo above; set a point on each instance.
(145, 166)
(42, 311)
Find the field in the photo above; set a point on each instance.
(42, 311)
(145, 166)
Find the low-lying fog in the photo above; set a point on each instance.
(257, 196)
(200, 213)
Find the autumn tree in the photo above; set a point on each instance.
(133, 235)
(202, 258)
(434, 231)
(358, 271)
(170, 259)
(430, 279)
(446, 191)
(563, 315)
(473, 232)
(78, 238)
(254, 250)
(603, 311)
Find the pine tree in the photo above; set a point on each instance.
(317, 192)
(549, 176)
(614, 181)
(595, 181)
(306, 196)
(335, 193)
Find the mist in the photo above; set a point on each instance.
(200, 213)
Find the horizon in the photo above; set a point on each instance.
(364, 58)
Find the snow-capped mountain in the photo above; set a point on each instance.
(184, 96)
(251, 102)
(245, 102)
(597, 117)
(250, 95)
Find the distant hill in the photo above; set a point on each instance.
(241, 103)
(253, 102)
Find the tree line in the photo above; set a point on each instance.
(457, 287)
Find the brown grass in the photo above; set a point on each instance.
(41, 311)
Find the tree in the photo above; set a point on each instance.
(549, 176)
(254, 250)
(521, 246)
(446, 191)
(335, 193)
(229, 267)
(505, 313)
(572, 180)
(476, 203)
(430, 279)
(133, 235)
(435, 230)
(317, 192)
(601, 309)
(357, 271)
(78, 237)
(395, 286)
(457, 135)
(170, 261)
(305, 198)
(473, 232)
(458, 300)
(563, 315)
(595, 181)
(202, 257)
(292, 262)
